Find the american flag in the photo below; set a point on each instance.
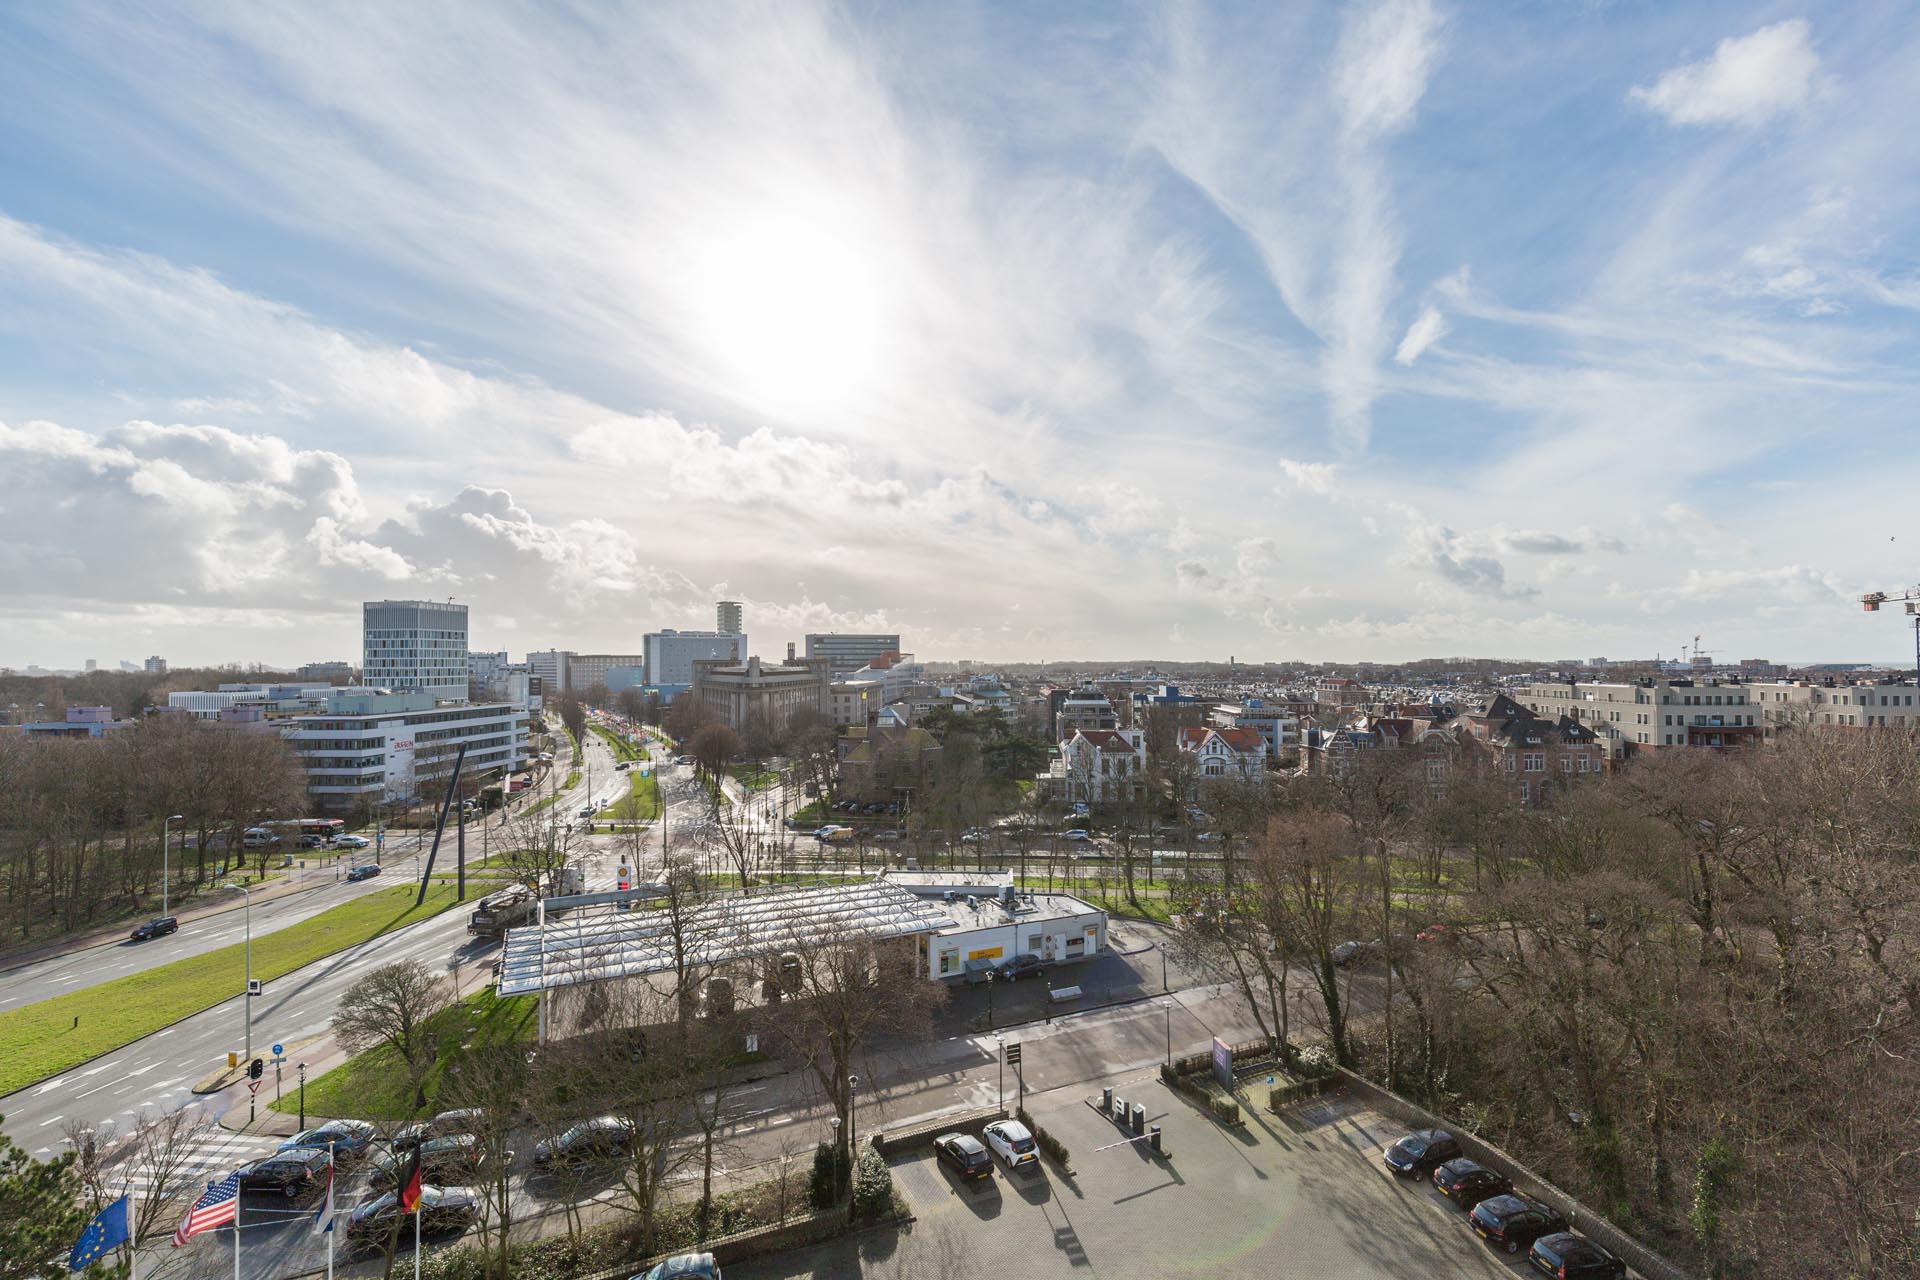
(218, 1205)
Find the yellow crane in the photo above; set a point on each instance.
(1909, 597)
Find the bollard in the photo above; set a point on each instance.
(1120, 1109)
(1106, 1099)
(1139, 1119)
(1153, 1138)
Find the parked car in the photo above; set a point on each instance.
(886, 837)
(973, 835)
(351, 842)
(158, 927)
(597, 1139)
(409, 1136)
(682, 1266)
(349, 1138)
(257, 838)
(310, 842)
(586, 811)
(1566, 1256)
(453, 1157)
(1352, 952)
(1024, 965)
(1468, 1182)
(1514, 1222)
(1079, 809)
(442, 1210)
(365, 871)
(1422, 1150)
(875, 810)
(1010, 1140)
(964, 1152)
(1076, 834)
(290, 1173)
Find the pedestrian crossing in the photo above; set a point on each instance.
(212, 1153)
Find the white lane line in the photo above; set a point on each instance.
(169, 1031)
(53, 1120)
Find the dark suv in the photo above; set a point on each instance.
(1566, 1256)
(1514, 1222)
(366, 871)
(291, 1173)
(1420, 1151)
(158, 927)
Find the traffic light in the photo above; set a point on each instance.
(257, 1068)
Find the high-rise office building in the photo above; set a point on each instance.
(848, 651)
(670, 655)
(415, 645)
(728, 614)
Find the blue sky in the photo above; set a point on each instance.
(1360, 331)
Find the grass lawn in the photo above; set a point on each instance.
(641, 802)
(373, 1085)
(753, 779)
(813, 813)
(41, 1040)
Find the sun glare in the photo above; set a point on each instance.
(792, 302)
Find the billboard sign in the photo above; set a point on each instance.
(1222, 1063)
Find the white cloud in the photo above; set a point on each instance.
(1313, 477)
(1748, 80)
(1426, 330)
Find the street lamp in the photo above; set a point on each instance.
(165, 836)
(990, 974)
(853, 1141)
(248, 1003)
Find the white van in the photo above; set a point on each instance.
(256, 838)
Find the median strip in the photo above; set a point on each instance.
(64, 1031)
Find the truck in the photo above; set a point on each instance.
(499, 912)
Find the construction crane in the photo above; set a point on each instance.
(1910, 598)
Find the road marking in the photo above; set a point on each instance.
(54, 1083)
(54, 1120)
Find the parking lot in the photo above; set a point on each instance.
(1303, 1194)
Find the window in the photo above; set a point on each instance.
(1566, 763)
(949, 961)
(1536, 762)
(1524, 793)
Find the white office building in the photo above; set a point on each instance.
(849, 651)
(415, 645)
(372, 748)
(669, 655)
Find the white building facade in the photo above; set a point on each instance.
(415, 645)
(371, 748)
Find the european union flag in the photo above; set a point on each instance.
(109, 1229)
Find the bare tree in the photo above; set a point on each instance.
(395, 1005)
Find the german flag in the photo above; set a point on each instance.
(410, 1183)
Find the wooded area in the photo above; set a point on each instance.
(1687, 993)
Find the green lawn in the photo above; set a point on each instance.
(753, 779)
(373, 1085)
(641, 802)
(43, 1039)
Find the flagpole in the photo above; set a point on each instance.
(417, 1215)
(236, 1232)
(330, 1172)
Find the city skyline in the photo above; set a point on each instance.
(1352, 333)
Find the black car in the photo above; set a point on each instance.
(1024, 965)
(158, 927)
(349, 1138)
(443, 1211)
(683, 1266)
(965, 1153)
(1468, 1182)
(366, 871)
(1514, 1222)
(1420, 1151)
(453, 1157)
(597, 1139)
(1566, 1256)
(291, 1173)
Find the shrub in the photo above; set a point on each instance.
(1226, 1109)
(1314, 1061)
(872, 1186)
(829, 1175)
(1050, 1147)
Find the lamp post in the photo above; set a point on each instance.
(853, 1140)
(990, 974)
(248, 998)
(166, 835)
